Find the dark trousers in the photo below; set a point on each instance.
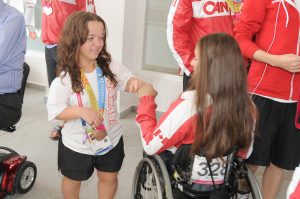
(10, 109)
(50, 56)
(186, 81)
(11, 103)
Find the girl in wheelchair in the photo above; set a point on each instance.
(214, 115)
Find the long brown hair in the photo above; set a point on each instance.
(74, 35)
(221, 75)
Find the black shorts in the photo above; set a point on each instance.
(277, 140)
(79, 167)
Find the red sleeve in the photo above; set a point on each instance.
(81, 5)
(171, 130)
(146, 116)
(178, 33)
(250, 21)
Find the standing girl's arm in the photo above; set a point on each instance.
(127, 82)
(133, 85)
(60, 108)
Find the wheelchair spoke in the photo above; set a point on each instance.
(147, 184)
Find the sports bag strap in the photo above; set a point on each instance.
(212, 178)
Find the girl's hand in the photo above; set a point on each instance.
(92, 117)
(288, 62)
(98, 135)
(147, 89)
(133, 84)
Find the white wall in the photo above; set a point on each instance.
(38, 70)
(112, 12)
(168, 86)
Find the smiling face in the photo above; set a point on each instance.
(90, 50)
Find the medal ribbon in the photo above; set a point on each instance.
(97, 106)
(234, 6)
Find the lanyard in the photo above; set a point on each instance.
(101, 96)
(101, 90)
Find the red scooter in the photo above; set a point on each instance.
(17, 175)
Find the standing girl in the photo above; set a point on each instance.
(84, 95)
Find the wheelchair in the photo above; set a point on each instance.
(17, 174)
(156, 178)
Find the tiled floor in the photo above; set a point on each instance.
(31, 139)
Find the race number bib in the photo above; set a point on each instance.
(201, 173)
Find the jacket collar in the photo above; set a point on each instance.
(191, 95)
(188, 95)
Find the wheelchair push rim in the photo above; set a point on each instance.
(146, 183)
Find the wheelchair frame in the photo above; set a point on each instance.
(151, 175)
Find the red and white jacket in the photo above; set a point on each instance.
(275, 24)
(189, 20)
(176, 126)
(53, 23)
(293, 191)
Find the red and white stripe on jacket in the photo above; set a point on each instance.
(293, 191)
(176, 127)
(52, 24)
(275, 23)
(189, 20)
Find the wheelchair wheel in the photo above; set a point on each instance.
(165, 178)
(254, 187)
(146, 182)
(25, 177)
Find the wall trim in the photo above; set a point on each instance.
(36, 86)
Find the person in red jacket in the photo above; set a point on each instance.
(55, 13)
(293, 191)
(216, 112)
(274, 83)
(189, 20)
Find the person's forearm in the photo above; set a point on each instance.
(263, 56)
(70, 113)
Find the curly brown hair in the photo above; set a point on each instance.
(73, 36)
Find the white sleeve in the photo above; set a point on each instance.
(123, 74)
(58, 98)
